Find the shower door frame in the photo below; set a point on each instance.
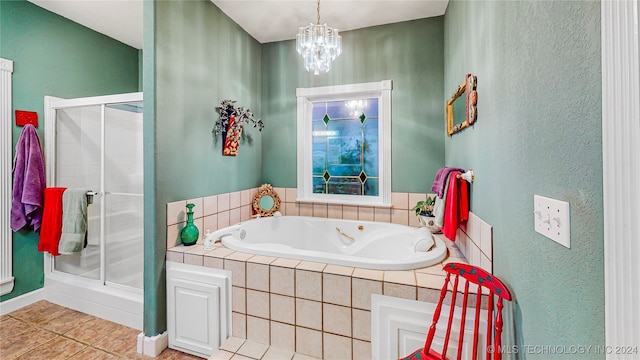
(118, 303)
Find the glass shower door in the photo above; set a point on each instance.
(123, 181)
(99, 148)
(78, 148)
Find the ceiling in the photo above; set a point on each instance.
(265, 20)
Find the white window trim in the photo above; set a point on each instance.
(305, 99)
(6, 245)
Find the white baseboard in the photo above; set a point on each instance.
(22, 301)
(152, 345)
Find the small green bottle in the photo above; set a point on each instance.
(189, 235)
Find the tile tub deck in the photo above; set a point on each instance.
(315, 309)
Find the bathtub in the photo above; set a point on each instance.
(362, 244)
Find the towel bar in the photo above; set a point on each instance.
(469, 176)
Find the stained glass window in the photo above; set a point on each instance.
(345, 147)
(344, 144)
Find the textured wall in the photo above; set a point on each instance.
(409, 53)
(538, 132)
(55, 56)
(201, 58)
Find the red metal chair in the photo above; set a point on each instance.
(485, 280)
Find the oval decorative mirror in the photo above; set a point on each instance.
(266, 202)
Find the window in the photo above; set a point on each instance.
(344, 144)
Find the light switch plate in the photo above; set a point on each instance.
(551, 219)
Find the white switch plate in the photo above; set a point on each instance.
(551, 219)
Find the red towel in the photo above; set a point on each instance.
(456, 207)
(51, 221)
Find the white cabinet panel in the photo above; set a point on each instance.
(399, 327)
(198, 308)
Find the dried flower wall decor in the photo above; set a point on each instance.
(230, 124)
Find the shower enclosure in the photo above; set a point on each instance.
(95, 144)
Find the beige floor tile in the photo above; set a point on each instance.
(253, 350)
(12, 327)
(14, 346)
(65, 321)
(221, 355)
(92, 330)
(58, 348)
(170, 354)
(278, 354)
(38, 312)
(36, 340)
(298, 356)
(122, 342)
(240, 357)
(90, 353)
(232, 344)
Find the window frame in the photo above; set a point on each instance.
(305, 99)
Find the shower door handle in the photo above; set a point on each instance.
(90, 195)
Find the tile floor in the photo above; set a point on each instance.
(240, 349)
(47, 331)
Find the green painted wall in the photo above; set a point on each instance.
(201, 58)
(538, 132)
(409, 53)
(55, 56)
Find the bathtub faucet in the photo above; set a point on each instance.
(345, 235)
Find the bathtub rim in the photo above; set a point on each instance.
(437, 254)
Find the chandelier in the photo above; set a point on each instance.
(319, 45)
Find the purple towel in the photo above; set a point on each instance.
(440, 180)
(28, 181)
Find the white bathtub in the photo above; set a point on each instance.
(379, 246)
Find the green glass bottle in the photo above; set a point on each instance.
(189, 235)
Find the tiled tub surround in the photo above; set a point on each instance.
(474, 238)
(222, 210)
(314, 309)
(319, 310)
